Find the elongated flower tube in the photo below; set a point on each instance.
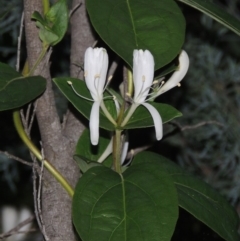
(95, 71)
(143, 72)
(177, 76)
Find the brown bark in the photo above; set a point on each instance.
(82, 37)
(58, 143)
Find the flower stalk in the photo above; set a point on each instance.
(117, 147)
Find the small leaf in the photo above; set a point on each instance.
(197, 197)
(142, 118)
(15, 90)
(37, 16)
(54, 25)
(82, 105)
(158, 26)
(47, 36)
(139, 205)
(214, 11)
(57, 18)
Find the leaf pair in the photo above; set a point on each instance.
(53, 25)
(140, 119)
(142, 204)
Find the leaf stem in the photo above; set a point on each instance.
(117, 151)
(37, 153)
(129, 114)
(46, 6)
(42, 54)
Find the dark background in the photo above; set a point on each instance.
(209, 95)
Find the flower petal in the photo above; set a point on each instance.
(124, 150)
(157, 120)
(107, 152)
(178, 75)
(95, 71)
(143, 72)
(94, 123)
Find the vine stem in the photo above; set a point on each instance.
(37, 153)
(42, 54)
(117, 151)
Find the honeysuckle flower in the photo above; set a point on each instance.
(95, 72)
(177, 76)
(143, 72)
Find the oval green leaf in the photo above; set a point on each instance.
(125, 25)
(140, 205)
(15, 90)
(142, 118)
(197, 197)
(82, 105)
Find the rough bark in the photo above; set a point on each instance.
(82, 37)
(58, 143)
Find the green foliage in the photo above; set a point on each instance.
(13, 85)
(141, 204)
(198, 198)
(82, 105)
(215, 12)
(141, 117)
(53, 25)
(158, 26)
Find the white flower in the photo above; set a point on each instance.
(177, 76)
(95, 72)
(143, 72)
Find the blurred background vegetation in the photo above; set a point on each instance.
(204, 140)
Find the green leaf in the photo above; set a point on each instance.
(82, 105)
(197, 197)
(47, 36)
(86, 155)
(214, 11)
(15, 90)
(57, 18)
(125, 25)
(142, 118)
(37, 16)
(140, 205)
(54, 24)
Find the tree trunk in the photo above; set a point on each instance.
(58, 141)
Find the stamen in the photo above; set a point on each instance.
(155, 82)
(97, 76)
(179, 85)
(143, 78)
(71, 84)
(162, 83)
(109, 78)
(128, 94)
(85, 73)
